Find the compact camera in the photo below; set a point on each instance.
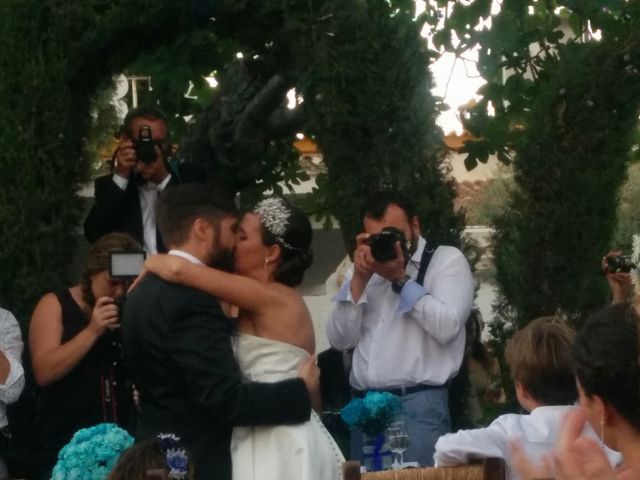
(619, 264)
(144, 146)
(383, 244)
(125, 266)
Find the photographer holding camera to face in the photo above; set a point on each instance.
(402, 309)
(76, 352)
(125, 200)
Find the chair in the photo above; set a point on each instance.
(485, 469)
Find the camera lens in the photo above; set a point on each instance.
(383, 248)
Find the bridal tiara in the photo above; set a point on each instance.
(274, 215)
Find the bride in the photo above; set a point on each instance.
(275, 334)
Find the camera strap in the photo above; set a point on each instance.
(427, 253)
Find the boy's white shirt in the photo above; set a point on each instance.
(536, 432)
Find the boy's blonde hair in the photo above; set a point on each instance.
(539, 356)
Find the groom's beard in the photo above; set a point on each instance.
(222, 259)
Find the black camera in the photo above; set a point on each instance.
(619, 264)
(383, 244)
(144, 146)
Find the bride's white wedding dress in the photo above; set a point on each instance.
(301, 452)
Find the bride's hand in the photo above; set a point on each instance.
(167, 267)
(310, 374)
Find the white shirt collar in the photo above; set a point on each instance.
(417, 255)
(150, 186)
(186, 255)
(162, 185)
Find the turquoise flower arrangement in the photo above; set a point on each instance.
(92, 453)
(371, 414)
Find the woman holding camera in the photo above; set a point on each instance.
(75, 352)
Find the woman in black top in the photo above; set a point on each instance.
(76, 352)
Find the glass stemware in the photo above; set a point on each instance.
(399, 441)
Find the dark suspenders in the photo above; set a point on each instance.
(427, 253)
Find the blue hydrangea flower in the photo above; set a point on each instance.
(353, 412)
(373, 413)
(92, 453)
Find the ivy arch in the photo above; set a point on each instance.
(361, 67)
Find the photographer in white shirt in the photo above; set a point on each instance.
(11, 377)
(407, 333)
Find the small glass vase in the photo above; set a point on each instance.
(376, 453)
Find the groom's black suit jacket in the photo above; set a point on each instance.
(177, 344)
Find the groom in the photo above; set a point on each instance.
(177, 344)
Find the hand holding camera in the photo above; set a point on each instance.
(126, 159)
(384, 253)
(616, 268)
(105, 316)
(389, 244)
(131, 151)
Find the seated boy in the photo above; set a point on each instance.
(539, 357)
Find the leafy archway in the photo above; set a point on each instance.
(361, 67)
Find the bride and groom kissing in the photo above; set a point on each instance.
(237, 391)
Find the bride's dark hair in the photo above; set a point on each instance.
(295, 245)
(606, 352)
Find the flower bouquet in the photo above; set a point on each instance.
(92, 453)
(372, 414)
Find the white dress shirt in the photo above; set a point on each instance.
(11, 347)
(536, 432)
(407, 339)
(148, 197)
(185, 255)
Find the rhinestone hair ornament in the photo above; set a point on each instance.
(274, 215)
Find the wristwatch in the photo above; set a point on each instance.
(399, 285)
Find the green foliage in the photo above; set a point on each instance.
(39, 162)
(628, 212)
(561, 105)
(361, 67)
(54, 57)
(513, 54)
(371, 112)
(491, 202)
(568, 169)
(192, 56)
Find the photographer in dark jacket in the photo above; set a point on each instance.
(125, 199)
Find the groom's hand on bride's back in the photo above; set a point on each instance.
(310, 374)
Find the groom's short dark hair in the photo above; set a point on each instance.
(179, 206)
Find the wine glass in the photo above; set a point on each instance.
(393, 432)
(398, 441)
